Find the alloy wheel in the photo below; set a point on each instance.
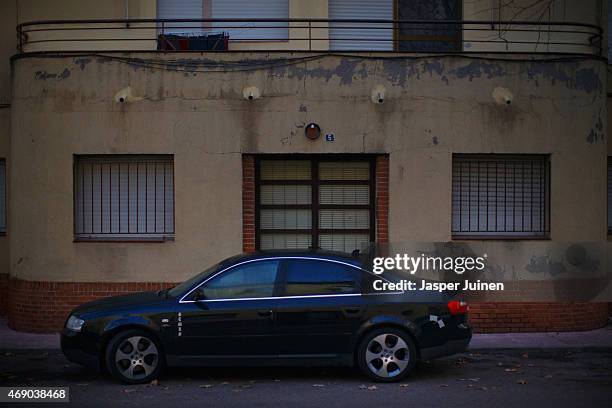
(136, 357)
(387, 355)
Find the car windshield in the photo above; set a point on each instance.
(189, 283)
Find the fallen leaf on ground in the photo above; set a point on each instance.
(372, 387)
(443, 385)
(155, 382)
(363, 387)
(403, 385)
(523, 382)
(318, 385)
(128, 390)
(510, 370)
(205, 386)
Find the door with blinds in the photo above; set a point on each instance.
(321, 202)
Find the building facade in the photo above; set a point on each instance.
(137, 150)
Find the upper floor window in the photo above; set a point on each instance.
(124, 197)
(227, 9)
(2, 196)
(354, 36)
(251, 280)
(500, 196)
(389, 36)
(311, 277)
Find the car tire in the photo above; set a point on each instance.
(134, 356)
(386, 354)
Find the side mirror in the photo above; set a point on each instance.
(198, 294)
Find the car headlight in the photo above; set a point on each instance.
(74, 323)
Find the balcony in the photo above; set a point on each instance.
(311, 35)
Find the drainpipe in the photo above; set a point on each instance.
(127, 13)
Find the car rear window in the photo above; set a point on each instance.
(309, 277)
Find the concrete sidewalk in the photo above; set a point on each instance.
(13, 340)
(600, 338)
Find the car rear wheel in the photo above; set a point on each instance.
(386, 354)
(134, 356)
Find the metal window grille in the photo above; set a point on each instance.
(320, 202)
(2, 196)
(610, 195)
(500, 196)
(124, 197)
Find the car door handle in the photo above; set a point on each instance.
(352, 311)
(265, 313)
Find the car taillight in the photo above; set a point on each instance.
(457, 307)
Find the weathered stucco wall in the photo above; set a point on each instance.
(7, 48)
(433, 107)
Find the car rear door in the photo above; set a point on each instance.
(319, 308)
(235, 318)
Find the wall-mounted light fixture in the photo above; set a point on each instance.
(378, 94)
(251, 92)
(312, 131)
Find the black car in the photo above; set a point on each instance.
(268, 308)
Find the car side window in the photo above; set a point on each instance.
(251, 280)
(306, 277)
(367, 282)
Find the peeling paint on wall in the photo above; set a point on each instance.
(583, 79)
(82, 62)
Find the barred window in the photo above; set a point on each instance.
(124, 197)
(500, 196)
(610, 195)
(2, 196)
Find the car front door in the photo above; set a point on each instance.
(319, 308)
(233, 317)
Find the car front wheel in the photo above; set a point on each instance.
(386, 354)
(134, 356)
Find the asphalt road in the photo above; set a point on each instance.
(491, 378)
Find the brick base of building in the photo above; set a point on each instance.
(40, 307)
(4, 283)
(537, 316)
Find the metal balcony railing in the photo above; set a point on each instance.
(320, 35)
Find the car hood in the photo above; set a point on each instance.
(116, 303)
